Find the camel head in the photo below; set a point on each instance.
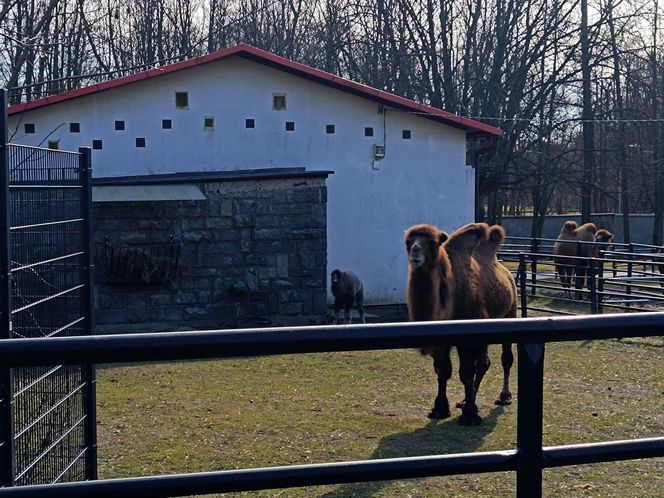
(604, 238)
(422, 245)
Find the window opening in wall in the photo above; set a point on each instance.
(96, 144)
(278, 101)
(405, 134)
(368, 132)
(54, 144)
(140, 142)
(290, 125)
(181, 100)
(250, 123)
(119, 125)
(166, 124)
(29, 127)
(329, 129)
(208, 123)
(75, 127)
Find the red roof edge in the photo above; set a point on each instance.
(261, 56)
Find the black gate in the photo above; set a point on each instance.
(47, 414)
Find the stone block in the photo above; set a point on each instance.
(181, 297)
(282, 265)
(160, 299)
(290, 308)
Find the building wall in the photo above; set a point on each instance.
(421, 179)
(270, 234)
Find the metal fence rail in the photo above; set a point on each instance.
(528, 460)
(46, 416)
(614, 281)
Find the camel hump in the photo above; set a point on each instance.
(468, 237)
(587, 227)
(570, 225)
(497, 235)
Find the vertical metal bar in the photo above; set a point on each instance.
(630, 269)
(529, 421)
(533, 267)
(87, 308)
(600, 284)
(522, 285)
(592, 286)
(6, 421)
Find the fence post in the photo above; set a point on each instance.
(87, 309)
(533, 266)
(630, 267)
(592, 286)
(600, 283)
(6, 423)
(521, 274)
(529, 421)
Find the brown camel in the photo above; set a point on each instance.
(499, 288)
(445, 282)
(567, 246)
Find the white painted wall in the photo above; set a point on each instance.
(421, 180)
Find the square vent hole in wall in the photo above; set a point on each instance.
(74, 127)
(29, 127)
(278, 101)
(142, 264)
(166, 124)
(181, 100)
(120, 125)
(208, 123)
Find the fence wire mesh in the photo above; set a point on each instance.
(49, 296)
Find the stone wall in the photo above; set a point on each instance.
(269, 234)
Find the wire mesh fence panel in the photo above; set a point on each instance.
(50, 296)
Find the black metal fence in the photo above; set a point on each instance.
(47, 413)
(528, 460)
(619, 278)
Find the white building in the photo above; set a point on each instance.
(243, 108)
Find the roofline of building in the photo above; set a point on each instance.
(210, 176)
(261, 56)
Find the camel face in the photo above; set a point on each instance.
(422, 244)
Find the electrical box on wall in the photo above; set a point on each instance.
(379, 151)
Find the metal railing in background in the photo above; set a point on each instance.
(47, 412)
(626, 278)
(528, 460)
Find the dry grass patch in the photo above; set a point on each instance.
(230, 414)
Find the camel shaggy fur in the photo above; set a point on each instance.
(572, 241)
(451, 279)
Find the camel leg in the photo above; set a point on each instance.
(348, 315)
(337, 309)
(580, 281)
(507, 360)
(442, 364)
(359, 301)
(467, 372)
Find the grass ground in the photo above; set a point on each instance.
(251, 412)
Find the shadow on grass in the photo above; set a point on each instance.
(437, 437)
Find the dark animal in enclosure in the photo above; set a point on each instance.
(572, 241)
(445, 283)
(347, 290)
